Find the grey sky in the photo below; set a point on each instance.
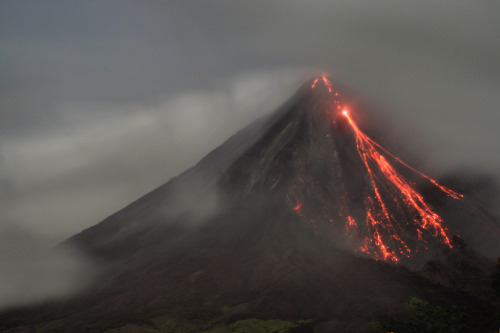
(100, 102)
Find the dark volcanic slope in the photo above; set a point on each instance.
(263, 159)
(258, 227)
(304, 158)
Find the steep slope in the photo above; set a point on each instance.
(298, 216)
(310, 155)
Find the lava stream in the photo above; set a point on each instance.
(385, 231)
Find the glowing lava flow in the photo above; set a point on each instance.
(385, 232)
(398, 221)
(298, 208)
(326, 82)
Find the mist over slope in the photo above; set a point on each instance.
(33, 271)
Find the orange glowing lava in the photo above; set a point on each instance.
(298, 208)
(385, 232)
(351, 221)
(397, 219)
(326, 82)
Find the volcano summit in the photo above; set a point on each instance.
(299, 216)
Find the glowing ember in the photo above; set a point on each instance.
(298, 207)
(351, 221)
(326, 82)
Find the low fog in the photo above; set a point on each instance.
(33, 271)
(101, 102)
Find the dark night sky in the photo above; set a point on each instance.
(101, 102)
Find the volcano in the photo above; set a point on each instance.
(299, 216)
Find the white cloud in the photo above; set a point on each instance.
(73, 176)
